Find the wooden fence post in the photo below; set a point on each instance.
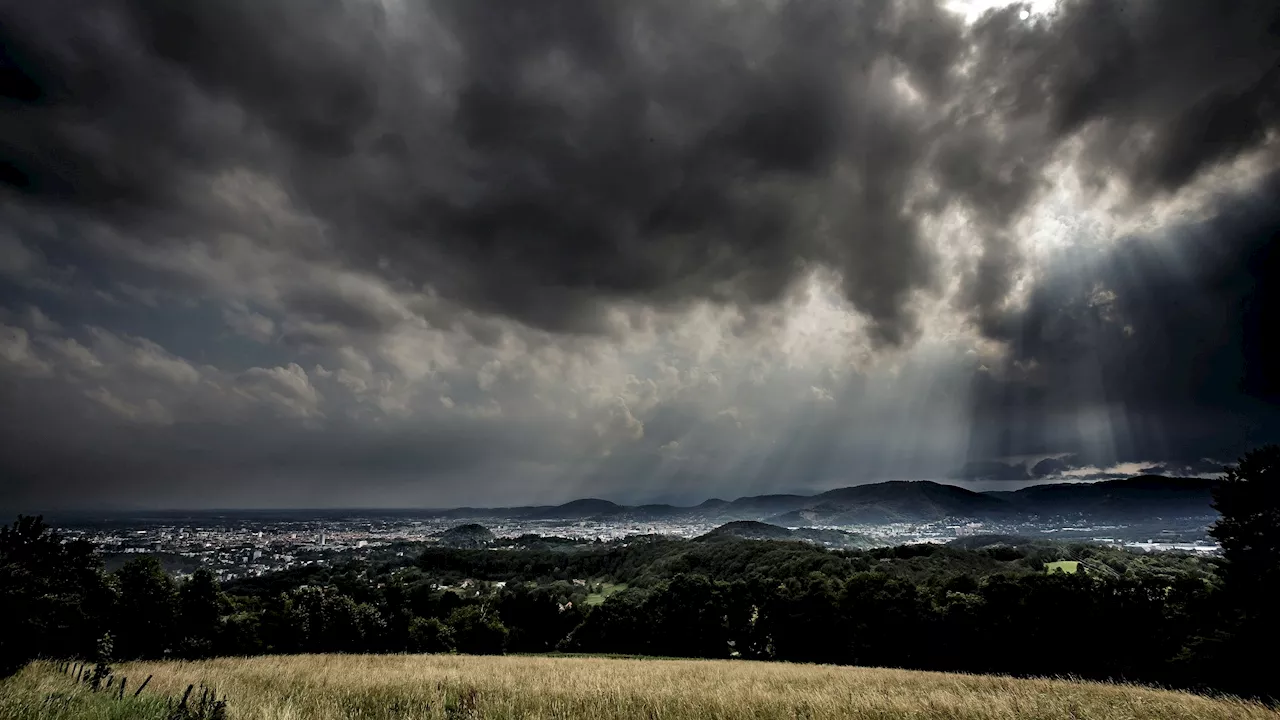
(138, 692)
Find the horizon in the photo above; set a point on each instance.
(82, 512)
(453, 253)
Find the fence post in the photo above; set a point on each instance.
(138, 692)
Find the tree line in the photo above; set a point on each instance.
(1176, 620)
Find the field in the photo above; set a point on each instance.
(606, 589)
(1066, 566)
(383, 687)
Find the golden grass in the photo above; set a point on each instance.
(40, 692)
(377, 687)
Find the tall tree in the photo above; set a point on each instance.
(54, 597)
(199, 614)
(148, 614)
(1248, 497)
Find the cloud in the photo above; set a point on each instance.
(16, 352)
(1170, 365)
(1051, 466)
(992, 470)
(464, 250)
(149, 412)
(288, 389)
(252, 325)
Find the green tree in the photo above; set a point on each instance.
(200, 604)
(147, 618)
(689, 617)
(54, 596)
(1248, 498)
(429, 635)
(477, 631)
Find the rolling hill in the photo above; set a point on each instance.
(1136, 498)
(471, 535)
(1145, 495)
(897, 501)
(750, 530)
(587, 507)
(755, 530)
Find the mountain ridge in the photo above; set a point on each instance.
(904, 501)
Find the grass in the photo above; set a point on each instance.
(1066, 566)
(446, 687)
(606, 589)
(39, 692)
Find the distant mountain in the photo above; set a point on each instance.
(755, 530)
(898, 501)
(1143, 497)
(1137, 498)
(471, 535)
(651, 512)
(751, 530)
(762, 506)
(585, 508)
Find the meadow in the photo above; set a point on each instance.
(606, 589)
(383, 687)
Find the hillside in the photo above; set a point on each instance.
(750, 530)
(755, 530)
(587, 507)
(1143, 496)
(896, 502)
(1139, 497)
(471, 535)
(392, 687)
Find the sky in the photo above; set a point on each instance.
(389, 253)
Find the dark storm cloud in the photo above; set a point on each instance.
(1161, 345)
(544, 161)
(1160, 90)
(532, 161)
(1051, 466)
(1157, 91)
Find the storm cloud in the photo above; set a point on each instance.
(378, 252)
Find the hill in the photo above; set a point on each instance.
(750, 530)
(587, 507)
(755, 530)
(471, 535)
(387, 687)
(1141, 497)
(977, 542)
(897, 501)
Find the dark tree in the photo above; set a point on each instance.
(689, 619)
(54, 597)
(429, 635)
(477, 631)
(199, 614)
(147, 619)
(1248, 497)
(536, 618)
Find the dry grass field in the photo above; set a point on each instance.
(377, 687)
